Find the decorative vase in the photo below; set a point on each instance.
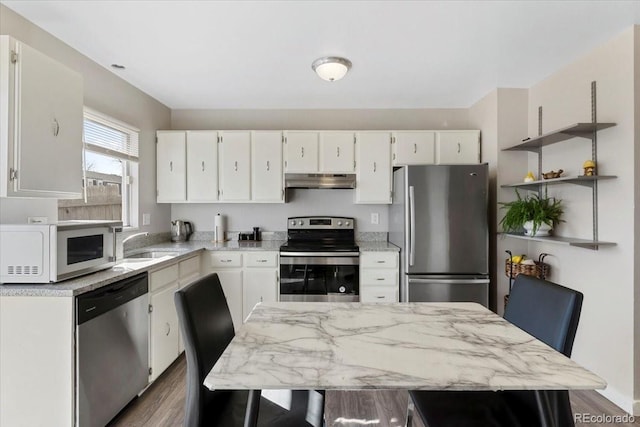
(543, 229)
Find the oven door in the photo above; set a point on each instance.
(315, 277)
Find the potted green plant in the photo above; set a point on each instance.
(536, 214)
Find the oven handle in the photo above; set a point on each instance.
(319, 254)
(319, 260)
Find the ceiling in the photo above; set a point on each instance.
(258, 54)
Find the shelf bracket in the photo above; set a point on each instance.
(594, 157)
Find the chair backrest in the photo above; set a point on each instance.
(207, 329)
(546, 310)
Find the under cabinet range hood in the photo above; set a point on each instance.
(320, 180)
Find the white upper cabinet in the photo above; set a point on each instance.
(301, 151)
(337, 151)
(266, 167)
(456, 147)
(202, 166)
(235, 165)
(171, 166)
(41, 104)
(414, 148)
(373, 167)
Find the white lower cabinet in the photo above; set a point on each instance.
(379, 279)
(228, 265)
(165, 342)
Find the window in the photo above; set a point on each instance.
(110, 181)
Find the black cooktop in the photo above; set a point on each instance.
(319, 247)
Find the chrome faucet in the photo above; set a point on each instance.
(126, 239)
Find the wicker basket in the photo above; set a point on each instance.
(539, 269)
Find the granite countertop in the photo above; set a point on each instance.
(383, 346)
(378, 246)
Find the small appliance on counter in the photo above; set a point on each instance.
(255, 235)
(181, 230)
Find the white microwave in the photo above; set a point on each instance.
(47, 253)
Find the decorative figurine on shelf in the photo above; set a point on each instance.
(529, 177)
(589, 168)
(552, 174)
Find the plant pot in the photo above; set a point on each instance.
(543, 229)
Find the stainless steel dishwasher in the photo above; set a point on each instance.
(112, 349)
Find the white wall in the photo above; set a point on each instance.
(272, 217)
(636, 180)
(107, 93)
(605, 338)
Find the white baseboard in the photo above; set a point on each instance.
(619, 399)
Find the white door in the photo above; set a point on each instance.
(337, 151)
(202, 166)
(231, 282)
(414, 148)
(48, 126)
(266, 166)
(259, 285)
(171, 162)
(163, 334)
(458, 147)
(235, 166)
(373, 167)
(301, 152)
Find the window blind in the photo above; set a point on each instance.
(109, 137)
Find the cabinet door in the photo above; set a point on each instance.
(458, 147)
(266, 167)
(337, 151)
(235, 161)
(163, 334)
(414, 148)
(171, 162)
(231, 281)
(202, 166)
(301, 152)
(259, 285)
(48, 121)
(373, 167)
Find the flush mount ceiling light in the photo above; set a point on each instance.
(331, 68)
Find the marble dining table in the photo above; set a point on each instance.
(408, 346)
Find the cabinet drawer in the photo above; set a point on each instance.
(379, 294)
(379, 259)
(161, 278)
(380, 276)
(226, 259)
(189, 267)
(261, 259)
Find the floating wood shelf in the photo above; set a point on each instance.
(583, 130)
(581, 243)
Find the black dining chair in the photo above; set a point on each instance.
(547, 311)
(207, 329)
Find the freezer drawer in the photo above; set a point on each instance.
(449, 290)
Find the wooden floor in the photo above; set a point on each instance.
(163, 405)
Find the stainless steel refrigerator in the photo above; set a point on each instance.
(439, 219)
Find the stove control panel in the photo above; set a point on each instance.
(321, 223)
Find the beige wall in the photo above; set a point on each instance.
(636, 145)
(107, 93)
(605, 338)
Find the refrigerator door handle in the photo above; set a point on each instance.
(451, 281)
(412, 226)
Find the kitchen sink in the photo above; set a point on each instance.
(152, 254)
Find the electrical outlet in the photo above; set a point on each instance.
(37, 219)
(375, 218)
(146, 219)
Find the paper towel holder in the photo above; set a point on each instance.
(219, 229)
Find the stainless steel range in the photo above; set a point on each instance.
(320, 261)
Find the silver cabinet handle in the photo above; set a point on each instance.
(171, 166)
(412, 226)
(56, 127)
(380, 262)
(458, 148)
(375, 166)
(261, 260)
(338, 150)
(415, 148)
(203, 166)
(225, 260)
(302, 151)
(168, 329)
(380, 278)
(267, 165)
(380, 297)
(236, 166)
